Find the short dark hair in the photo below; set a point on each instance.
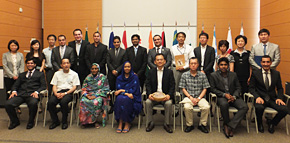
(15, 42)
(157, 35)
(66, 59)
(61, 36)
(241, 36)
(98, 33)
(266, 56)
(223, 42)
(223, 59)
(77, 30)
(135, 35)
(181, 33)
(51, 35)
(203, 34)
(158, 54)
(193, 58)
(30, 59)
(117, 37)
(264, 30)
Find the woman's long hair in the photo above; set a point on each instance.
(39, 50)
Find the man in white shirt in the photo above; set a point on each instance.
(64, 84)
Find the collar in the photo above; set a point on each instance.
(80, 42)
(63, 46)
(183, 46)
(197, 74)
(161, 69)
(220, 72)
(203, 47)
(136, 47)
(237, 51)
(31, 71)
(159, 47)
(265, 44)
(263, 71)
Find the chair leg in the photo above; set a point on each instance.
(78, 117)
(113, 119)
(139, 121)
(287, 131)
(44, 118)
(218, 118)
(248, 128)
(174, 117)
(37, 114)
(181, 116)
(209, 121)
(256, 123)
(71, 113)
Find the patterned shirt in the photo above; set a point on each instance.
(194, 84)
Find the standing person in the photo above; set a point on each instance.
(223, 47)
(242, 66)
(13, 64)
(36, 53)
(79, 47)
(264, 48)
(97, 53)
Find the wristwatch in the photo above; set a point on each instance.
(198, 98)
(65, 93)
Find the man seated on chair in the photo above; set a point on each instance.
(64, 84)
(160, 79)
(263, 85)
(194, 85)
(225, 84)
(25, 89)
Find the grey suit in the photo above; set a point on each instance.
(8, 65)
(151, 57)
(257, 51)
(56, 59)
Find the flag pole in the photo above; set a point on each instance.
(163, 26)
(188, 25)
(138, 27)
(151, 25)
(124, 25)
(98, 26)
(112, 27)
(175, 25)
(202, 27)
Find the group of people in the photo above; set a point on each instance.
(194, 72)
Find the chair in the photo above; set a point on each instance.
(195, 110)
(42, 94)
(268, 110)
(231, 110)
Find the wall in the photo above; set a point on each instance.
(275, 15)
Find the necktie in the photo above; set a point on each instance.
(158, 50)
(265, 49)
(267, 98)
(117, 52)
(135, 49)
(29, 75)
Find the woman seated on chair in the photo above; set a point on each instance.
(94, 97)
(128, 98)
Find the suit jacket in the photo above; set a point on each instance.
(25, 86)
(151, 57)
(115, 63)
(257, 50)
(56, 59)
(99, 57)
(8, 65)
(258, 89)
(79, 59)
(217, 85)
(168, 82)
(139, 62)
(209, 58)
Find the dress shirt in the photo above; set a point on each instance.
(135, 49)
(185, 50)
(27, 74)
(160, 49)
(78, 47)
(61, 50)
(14, 61)
(65, 80)
(159, 79)
(202, 52)
(47, 52)
(241, 53)
(269, 76)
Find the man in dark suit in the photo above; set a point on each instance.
(137, 56)
(159, 49)
(61, 52)
(160, 79)
(79, 48)
(263, 85)
(25, 89)
(225, 84)
(97, 53)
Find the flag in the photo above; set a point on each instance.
(86, 36)
(214, 45)
(163, 39)
(242, 30)
(111, 40)
(174, 38)
(124, 39)
(188, 37)
(150, 40)
(229, 39)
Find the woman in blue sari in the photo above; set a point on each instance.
(128, 98)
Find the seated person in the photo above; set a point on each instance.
(263, 85)
(225, 84)
(128, 100)
(194, 85)
(64, 84)
(94, 97)
(25, 89)
(160, 79)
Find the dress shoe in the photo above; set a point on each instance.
(231, 132)
(271, 128)
(150, 127)
(261, 128)
(203, 128)
(167, 128)
(64, 126)
(13, 125)
(30, 126)
(54, 125)
(226, 131)
(189, 129)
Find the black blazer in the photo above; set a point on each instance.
(99, 57)
(151, 57)
(25, 86)
(115, 63)
(168, 82)
(81, 58)
(209, 58)
(217, 85)
(258, 89)
(56, 60)
(139, 62)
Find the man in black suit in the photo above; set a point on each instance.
(79, 48)
(225, 84)
(160, 79)
(137, 56)
(25, 89)
(61, 52)
(159, 49)
(263, 85)
(97, 53)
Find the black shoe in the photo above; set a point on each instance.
(111, 110)
(203, 128)
(167, 128)
(163, 112)
(261, 128)
(189, 129)
(271, 128)
(150, 127)
(54, 125)
(13, 125)
(64, 126)
(226, 131)
(30, 126)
